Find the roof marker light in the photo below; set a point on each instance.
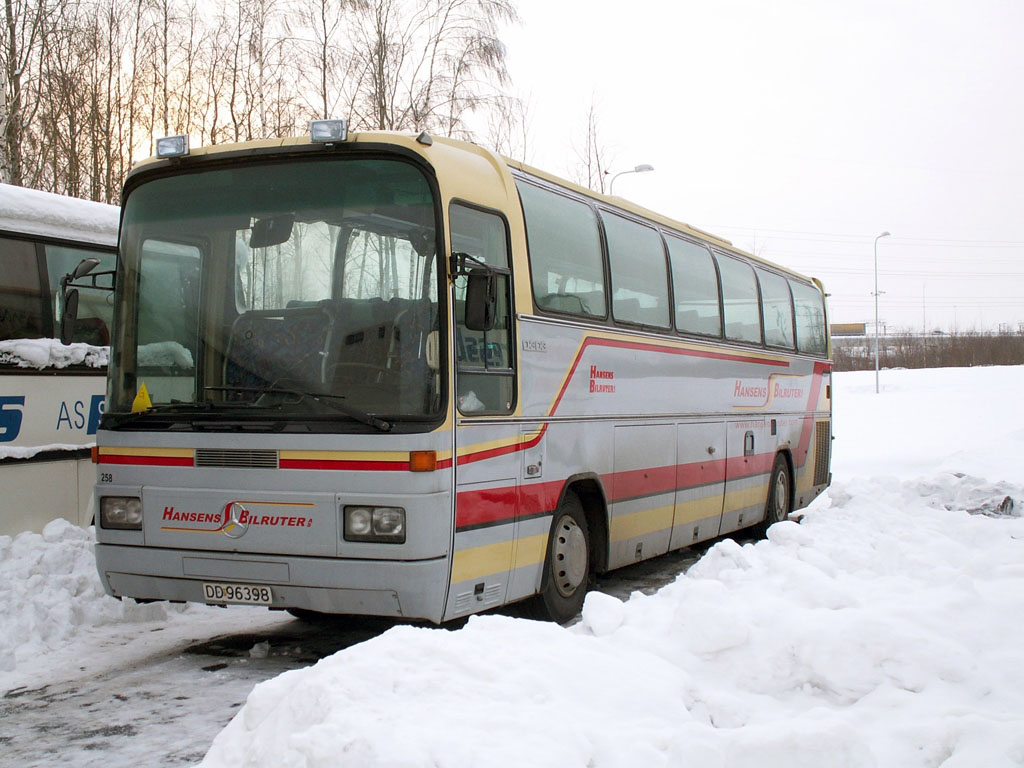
(172, 146)
(328, 131)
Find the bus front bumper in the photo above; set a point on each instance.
(408, 589)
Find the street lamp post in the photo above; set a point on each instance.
(884, 234)
(642, 168)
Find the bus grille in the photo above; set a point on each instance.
(822, 446)
(241, 459)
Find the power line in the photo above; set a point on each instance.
(895, 239)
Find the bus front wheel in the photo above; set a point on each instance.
(567, 565)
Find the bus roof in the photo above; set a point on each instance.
(44, 214)
(471, 153)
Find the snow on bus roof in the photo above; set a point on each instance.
(31, 212)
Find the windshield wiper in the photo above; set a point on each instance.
(120, 419)
(325, 399)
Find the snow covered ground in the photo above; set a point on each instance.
(883, 630)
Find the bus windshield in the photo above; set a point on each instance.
(290, 292)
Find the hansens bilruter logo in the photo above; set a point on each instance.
(236, 518)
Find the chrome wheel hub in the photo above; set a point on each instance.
(569, 556)
(781, 497)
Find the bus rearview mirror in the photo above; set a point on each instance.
(273, 230)
(481, 299)
(69, 316)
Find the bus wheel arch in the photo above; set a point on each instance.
(588, 489)
(577, 547)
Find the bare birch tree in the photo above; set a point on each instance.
(25, 26)
(593, 159)
(425, 65)
(88, 85)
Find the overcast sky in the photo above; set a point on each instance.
(801, 130)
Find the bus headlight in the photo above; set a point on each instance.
(381, 524)
(121, 513)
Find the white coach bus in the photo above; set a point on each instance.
(407, 377)
(51, 394)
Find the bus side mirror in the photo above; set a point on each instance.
(69, 298)
(85, 266)
(69, 316)
(481, 299)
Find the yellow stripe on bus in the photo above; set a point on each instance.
(169, 453)
(531, 550)
(647, 521)
(697, 509)
(477, 563)
(641, 523)
(746, 497)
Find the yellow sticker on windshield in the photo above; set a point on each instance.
(142, 402)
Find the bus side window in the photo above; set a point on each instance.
(810, 319)
(565, 252)
(777, 309)
(23, 310)
(639, 275)
(739, 293)
(485, 369)
(695, 286)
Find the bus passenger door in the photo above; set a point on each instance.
(484, 534)
(487, 460)
(700, 482)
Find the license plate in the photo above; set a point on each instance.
(249, 594)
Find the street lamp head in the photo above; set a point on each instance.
(643, 167)
(885, 234)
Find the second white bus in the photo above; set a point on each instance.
(51, 394)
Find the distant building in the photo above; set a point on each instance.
(848, 329)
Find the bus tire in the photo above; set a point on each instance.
(567, 565)
(313, 617)
(780, 494)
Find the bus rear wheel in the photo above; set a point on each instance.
(567, 565)
(779, 503)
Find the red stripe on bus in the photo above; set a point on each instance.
(505, 504)
(504, 450)
(147, 461)
(820, 369)
(345, 464)
(350, 465)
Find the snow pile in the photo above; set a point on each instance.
(44, 213)
(50, 592)
(50, 353)
(28, 451)
(883, 630)
(166, 354)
